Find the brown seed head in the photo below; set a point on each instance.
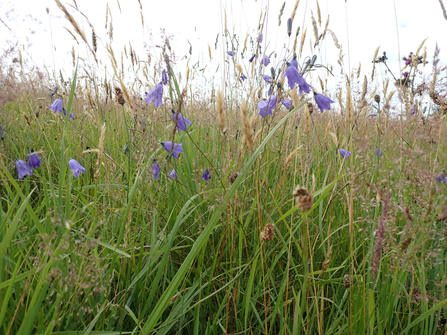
(119, 96)
(268, 233)
(233, 177)
(377, 98)
(303, 198)
(347, 281)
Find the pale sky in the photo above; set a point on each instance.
(370, 24)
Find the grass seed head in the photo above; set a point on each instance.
(268, 233)
(303, 198)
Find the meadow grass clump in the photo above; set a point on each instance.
(269, 205)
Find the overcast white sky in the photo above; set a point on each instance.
(370, 24)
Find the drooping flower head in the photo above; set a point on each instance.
(71, 116)
(23, 169)
(287, 103)
(164, 78)
(266, 107)
(441, 178)
(323, 102)
(175, 147)
(379, 152)
(173, 174)
(265, 60)
(294, 62)
(33, 160)
(75, 167)
(267, 79)
(182, 122)
(293, 77)
(344, 153)
(56, 106)
(156, 170)
(231, 53)
(206, 175)
(156, 95)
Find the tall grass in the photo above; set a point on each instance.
(116, 251)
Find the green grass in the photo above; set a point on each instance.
(118, 252)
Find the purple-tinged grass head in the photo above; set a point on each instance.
(206, 175)
(75, 167)
(33, 160)
(56, 106)
(175, 147)
(23, 169)
(156, 170)
(323, 102)
(344, 153)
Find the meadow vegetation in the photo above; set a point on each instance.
(307, 222)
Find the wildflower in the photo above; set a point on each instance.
(266, 107)
(344, 153)
(323, 102)
(164, 78)
(156, 170)
(243, 77)
(251, 58)
(260, 38)
(56, 106)
(156, 95)
(206, 175)
(408, 61)
(293, 77)
(440, 178)
(287, 103)
(173, 174)
(405, 74)
(71, 116)
(379, 152)
(265, 60)
(267, 79)
(182, 122)
(75, 167)
(175, 147)
(231, 53)
(33, 160)
(23, 169)
(293, 62)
